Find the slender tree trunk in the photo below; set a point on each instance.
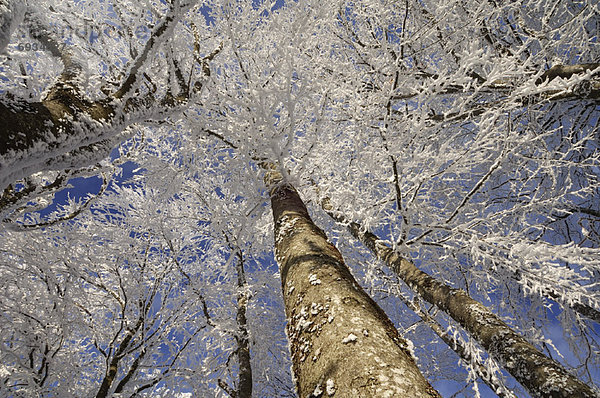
(542, 376)
(488, 378)
(244, 389)
(341, 342)
(244, 386)
(113, 366)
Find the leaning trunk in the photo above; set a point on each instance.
(542, 376)
(341, 342)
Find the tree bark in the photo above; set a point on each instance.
(492, 381)
(341, 342)
(244, 389)
(65, 125)
(113, 366)
(540, 375)
(566, 71)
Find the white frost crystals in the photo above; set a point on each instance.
(330, 387)
(458, 159)
(351, 338)
(312, 278)
(287, 225)
(317, 392)
(12, 13)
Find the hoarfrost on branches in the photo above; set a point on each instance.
(465, 135)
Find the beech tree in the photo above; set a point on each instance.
(483, 325)
(457, 140)
(342, 323)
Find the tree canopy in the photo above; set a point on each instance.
(136, 138)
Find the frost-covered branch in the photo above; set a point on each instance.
(520, 358)
(55, 132)
(461, 350)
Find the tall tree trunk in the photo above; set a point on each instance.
(341, 342)
(244, 389)
(542, 376)
(244, 385)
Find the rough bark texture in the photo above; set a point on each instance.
(341, 342)
(542, 376)
(566, 71)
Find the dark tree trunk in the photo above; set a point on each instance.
(113, 365)
(244, 389)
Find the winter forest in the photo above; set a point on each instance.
(306, 198)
